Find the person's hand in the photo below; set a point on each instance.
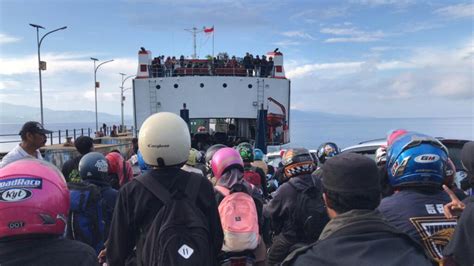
(102, 256)
(455, 207)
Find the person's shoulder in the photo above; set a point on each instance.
(77, 247)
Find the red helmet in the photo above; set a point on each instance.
(34, 199)
(225, 158)
(395, 134)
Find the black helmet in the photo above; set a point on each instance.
(296, 162)
(246, 152)
(93, 166)
(210, 152)
(327, 150)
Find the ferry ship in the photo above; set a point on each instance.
(221, 99)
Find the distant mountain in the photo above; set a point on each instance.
(11, 113)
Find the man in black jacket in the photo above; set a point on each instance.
(84, 145)
(357, 232)
(164, 142)
(297, 167)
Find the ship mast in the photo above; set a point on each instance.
(193, 31)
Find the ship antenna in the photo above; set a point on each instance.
(193, 31)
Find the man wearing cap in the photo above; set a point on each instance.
(33, 137)
(357, 232)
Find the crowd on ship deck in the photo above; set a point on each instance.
(221, 65)
(216, 204)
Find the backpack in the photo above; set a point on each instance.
(239, 221)
(86, 221)
(179, 233)
(309, 216)
(251, 176)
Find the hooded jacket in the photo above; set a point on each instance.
(280, 209)
(360, 237)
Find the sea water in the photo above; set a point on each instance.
(310, 133)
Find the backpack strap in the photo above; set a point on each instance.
(150, 183)
(223, 190)
(192, 188)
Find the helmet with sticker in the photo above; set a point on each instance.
(34, 199)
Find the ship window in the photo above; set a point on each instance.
(278, 69)
(158, 87)
(224, 85)
(176, 85)
(143, 68)
(250, 86)
(201, 85)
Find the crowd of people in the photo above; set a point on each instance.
(225, 205)
(221, 65)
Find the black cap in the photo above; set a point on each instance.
(33, 127)
(467, 159)
(350, 173)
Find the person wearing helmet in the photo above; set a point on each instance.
(326, 151)
(33, 137)
(460, 250)
(164, 141)
(120, 170)
(357, 233)
(293, 205)
(208, 157)
(254, 175)
(228, 169)
(84, 145)
(258, 161)
(34, 205)
(416, 167)
(191, 162)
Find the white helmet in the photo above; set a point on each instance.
(164, 140)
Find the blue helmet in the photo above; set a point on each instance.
(416, 160)
(258, 154)
(141, 163)
(326, 151)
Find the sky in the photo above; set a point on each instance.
(380, 58)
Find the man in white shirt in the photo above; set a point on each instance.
(33, 137)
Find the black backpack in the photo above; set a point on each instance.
(179, 233)
(86, 221)
(309, 216)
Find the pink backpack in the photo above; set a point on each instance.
(239, 221)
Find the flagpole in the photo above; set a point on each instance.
(213, 33)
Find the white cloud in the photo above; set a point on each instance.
(465, 10)
(57, 63)
(400, 3)
(298, 34)
(286, 43)
(351, 35)
(5, 39)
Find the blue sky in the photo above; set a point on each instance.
(384, 58)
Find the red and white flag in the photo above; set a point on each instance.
(209, 30)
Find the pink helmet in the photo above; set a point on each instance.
(34, 199)
(395, 135)
(223, 159)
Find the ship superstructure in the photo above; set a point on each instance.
(222, 99)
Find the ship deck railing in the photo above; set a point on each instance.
(206, 71)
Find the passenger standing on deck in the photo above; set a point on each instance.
(357, 233)
(416, 166)
(32, 226)
(70, 170)
(33, 137)
(164, 141)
